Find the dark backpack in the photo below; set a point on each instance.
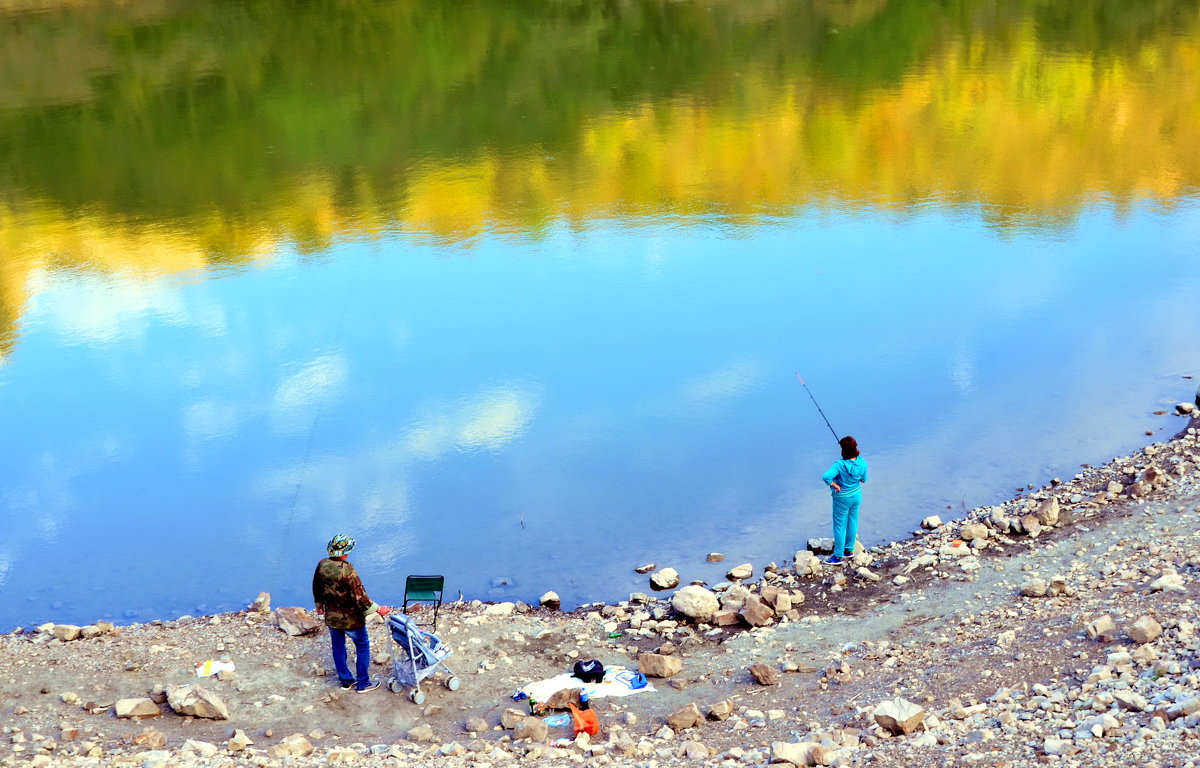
(590, 671)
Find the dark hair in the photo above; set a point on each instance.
(849, 447)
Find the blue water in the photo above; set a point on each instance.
(555, 411)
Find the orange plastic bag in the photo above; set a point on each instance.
(584, 720)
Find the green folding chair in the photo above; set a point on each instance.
(424, 589)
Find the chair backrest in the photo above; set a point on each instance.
(425, 584)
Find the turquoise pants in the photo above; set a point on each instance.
(845, 523)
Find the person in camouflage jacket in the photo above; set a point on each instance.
(342, 600)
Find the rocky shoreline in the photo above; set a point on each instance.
(1057, 627)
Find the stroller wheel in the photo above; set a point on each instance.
(453, 683)
(394, 685)
(417, 697)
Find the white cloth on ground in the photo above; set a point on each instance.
(616, 683)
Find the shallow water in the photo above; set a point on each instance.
(520, 297)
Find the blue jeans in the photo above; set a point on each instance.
(362, 655)
(845, 523)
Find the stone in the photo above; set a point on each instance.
(295, 745)
(822, 545)
(807, 563)
(66, 632)
(973, 531)
(296, 622)
(1170, 582)
(764, 674)
(1145, 630)
(342, 756)
(1059, 747)
(740, 572)
(475, 725)
(1035, 588)
(1130, 701)
(1186, 409)
(645, 568)
(238, 741)
(725, 618)
(139, 708)
(1102, 629)
(550, 600)
(694, 750)
(685, 717)
(510, 717)
(931, 522)
(151, 737)
(531, 729)
(899, 716)
(820, 755)
(201, 748)
(261, 604)
(721, 710)
(1048, 512)
(1031, 525)
(563, 698)
(667, 578)
(1006, 639)
(193, 700)
(696, 603)
(500, 610)
(866, 575)
(714, 557)
(796, 753)
(756, 613)
(421, 734)
(657, 665)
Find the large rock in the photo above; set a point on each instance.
(136, 708)
(510, 717)
(1145, 630)
(796, 753)
(657, 665)
(194, 701)
(201, 748)
(1035, 588)
(807, 563)
(740, 572)
(695, 602)
(1102, 629)
(550, 600)
(722, 710)
(1048, 511)
(822, 545)
(67, 632)
(262, 603)
(295, 745)
(972, 531)
(899, 716)
(296, 621)
(756, 613)
(685, 717)
(531, 728)
(667, 578)
(238, 741)
(931, 522)
(764, 674)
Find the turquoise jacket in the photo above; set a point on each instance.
(850, 474)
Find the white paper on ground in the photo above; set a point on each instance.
(616, 683)
(212, 667)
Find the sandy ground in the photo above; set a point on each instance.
(937, 640)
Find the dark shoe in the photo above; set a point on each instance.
(372, 686)
(346, 684)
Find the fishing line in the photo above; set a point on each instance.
(810, 396)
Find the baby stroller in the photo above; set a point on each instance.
(419, 656)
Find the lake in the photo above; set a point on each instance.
(518, 294)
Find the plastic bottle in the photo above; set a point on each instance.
(583, 701)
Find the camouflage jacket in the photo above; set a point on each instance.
(337, 589)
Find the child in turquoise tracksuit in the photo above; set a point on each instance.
(845, 479)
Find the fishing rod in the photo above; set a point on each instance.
(810, 396)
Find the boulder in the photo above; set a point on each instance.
(721, 710)
(422, 734)
(822, 546)
(694, 750)
(764, 674)
(510, 717)
(550, 600)
(67, 632)
(685, 717)
(1031, 526)
(1130, 701)
(296, 621)
(725, 618)
(1035, 588)
(756, 613)
(899, 716)
(139, 708)
(1168, 582)
(1145, 630)
(295, 745)
(645, 568)
(500, 610)
(796, 753)
(807, 563)
(1187, 409)
(475, 725)
(972, 531)
(201, 748)
(714, 557)
(563, 698)
(1048, 511)
(151, 737)
(262, 603)
(657, 665)
(532, 729)
(238, 741)
(1102, 629)
(667, 578)
(740, 572)
(1059, 747)
(931, 522)
(194, 701)
(696, 603)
